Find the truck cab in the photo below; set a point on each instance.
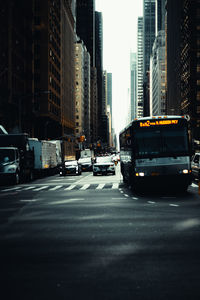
(9, 165)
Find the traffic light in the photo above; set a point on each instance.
(82, 138)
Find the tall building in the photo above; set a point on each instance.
(67, 67)
(47, 68)
(139, 104)
(160, 15)
(110, 109)
(109, 94)
(148, 40)
(16, 72)
(183, 62)
(173, 56)
(79, 89)
(103, 131)
(190, 65)
(157, 76)
(87, 98)
(85, 29)
(93, 107)
(85, 25)
(99, 65)
(133, 85)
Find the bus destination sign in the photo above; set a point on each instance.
(158, 123)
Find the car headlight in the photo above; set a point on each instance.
(185, 171)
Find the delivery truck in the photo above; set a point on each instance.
(16, 158)
(46, 157)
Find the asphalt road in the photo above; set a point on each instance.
(91, 237)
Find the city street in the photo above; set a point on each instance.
(91, 237)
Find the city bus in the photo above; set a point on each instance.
(156, 150)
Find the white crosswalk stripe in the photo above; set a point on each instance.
(41, 188)
(55, 188)
(29, 188)
(71, 187)
(85, 187)
(11, 189)
(100, 186)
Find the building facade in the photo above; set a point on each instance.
(148, 40)
(139, 104)
(85, 29)
(190, 65)
(157, 75)
(133, 85)
(16, 70)
(109, 95)
(173, 38)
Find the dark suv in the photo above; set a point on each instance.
(195, 164)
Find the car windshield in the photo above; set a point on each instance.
(71, 163)
(7, 155)
(103, 159)
(161, 142)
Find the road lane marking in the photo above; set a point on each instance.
(151, 202)
(175, 205)
(56, 180)
(66, 201)
(85, 187)
(55, 187)
(100, 186)
(71, 187)
(126, 195)
(41, 188)
(134, 198)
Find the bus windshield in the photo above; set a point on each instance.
(159, 142)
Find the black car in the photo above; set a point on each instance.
(70, 167)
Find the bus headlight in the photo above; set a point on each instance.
(139, 174)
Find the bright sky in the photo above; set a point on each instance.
(119, 39)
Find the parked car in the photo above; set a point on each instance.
(70, 167)
(103, 165)
(86, 163)
(195, 165)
